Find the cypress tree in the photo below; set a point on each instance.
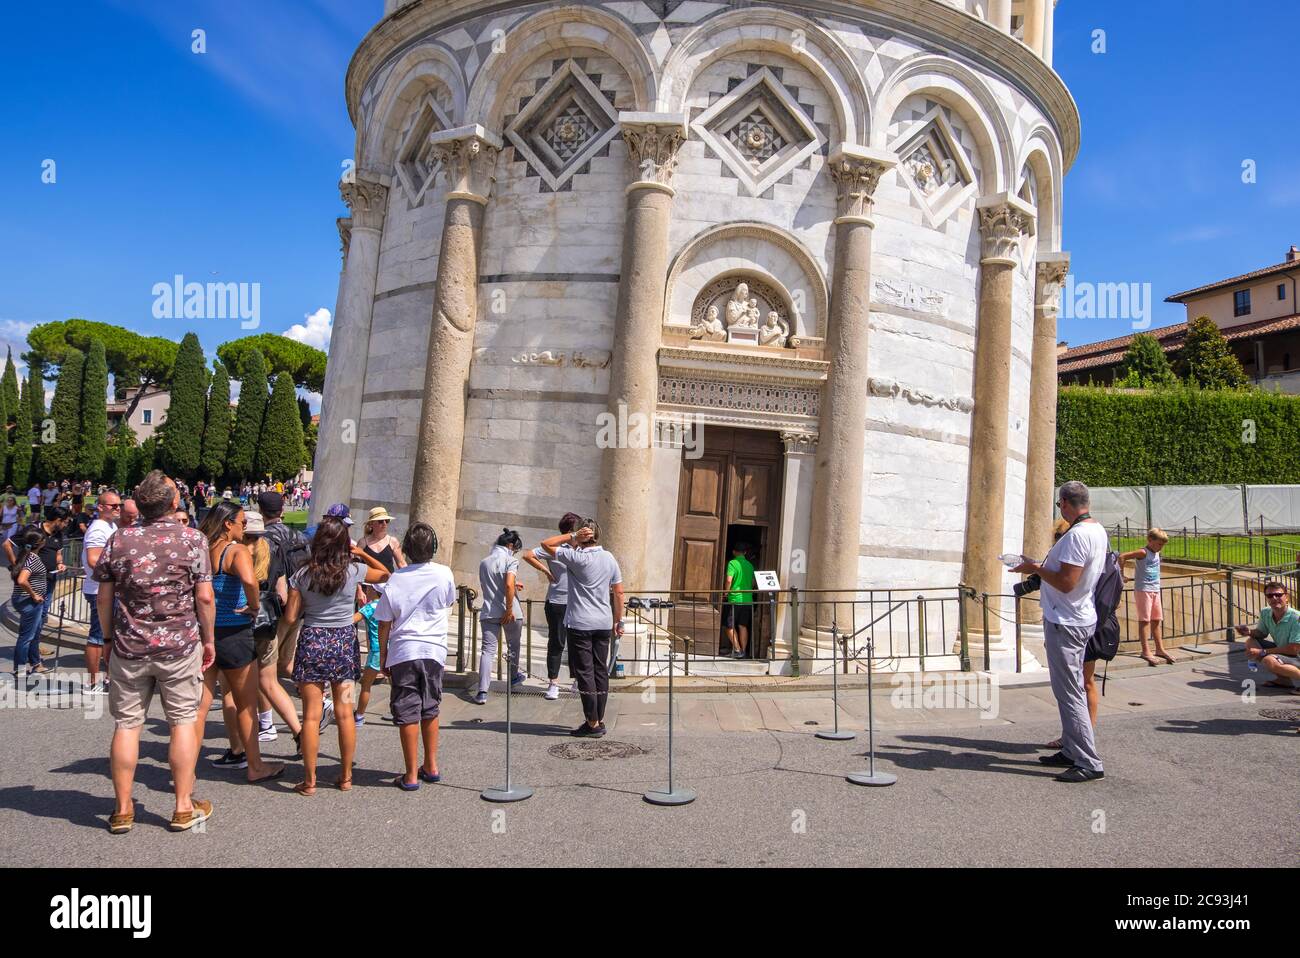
(216, 431)
(121, 457)
(36, 385)
(94, 414)
(241, 457)
(59, 458)
(281, 451)
(9, 387)
(143, 461)
(23, 439)
(182, 431)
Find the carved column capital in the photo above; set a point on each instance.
(467, 157)
(367, 198)
(1051, 272)
(653, 140)
(799, 443)
(856, 171)
(1004, 220)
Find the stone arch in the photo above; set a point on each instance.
(752, 28)
(423, 69)
(962, 90)
(757, 248)
(566, 30)
(1041, 155)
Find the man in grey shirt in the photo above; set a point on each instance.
(593, 614)
(557, 597)
(498, 585)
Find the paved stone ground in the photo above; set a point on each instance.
(1185, 755)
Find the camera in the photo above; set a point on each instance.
(1031, 584)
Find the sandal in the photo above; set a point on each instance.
(343, 784)
(432, 778)
(1149, 659)
(1166, 656)
(404, 785)
(270, 776)
(302, 788)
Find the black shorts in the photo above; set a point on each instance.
(415, 694)
(235, 646)
(737, 614)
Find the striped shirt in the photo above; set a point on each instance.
(36, 567)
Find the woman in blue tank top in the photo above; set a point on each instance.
(237, 598)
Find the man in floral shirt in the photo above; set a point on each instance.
(156, 606)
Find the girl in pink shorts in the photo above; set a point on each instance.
(1146, 594)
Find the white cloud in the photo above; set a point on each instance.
(315, 332)
(13, 335)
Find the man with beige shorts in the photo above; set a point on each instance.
(156, 606)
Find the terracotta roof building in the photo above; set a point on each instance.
(1257, 311)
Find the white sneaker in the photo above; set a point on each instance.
(267, 734)
(573, 686)
(327, 715)
(552, 692)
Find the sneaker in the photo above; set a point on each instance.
(360, 720)
(1079, 774)
(40, 669)
(480, 699)
(1058, 760)
(737, 655)
(94, 689)
(267, 734)
(552, 692)
(519, 679)
(573, 686)
(231, 760)
(327, 715)
(586, 731)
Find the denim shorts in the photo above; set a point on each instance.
(96, 636)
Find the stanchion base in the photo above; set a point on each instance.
(867, 778)
(1198, 649)
(516, 794)
(836, 736)
(678, 796)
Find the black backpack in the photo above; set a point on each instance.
(289, 553)
(1106, 596)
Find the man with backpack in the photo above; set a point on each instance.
(1069, 575)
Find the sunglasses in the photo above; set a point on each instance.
(1275, 595)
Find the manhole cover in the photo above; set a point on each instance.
(1283, 715)
(595, 751)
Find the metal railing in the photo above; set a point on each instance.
(1217, 549)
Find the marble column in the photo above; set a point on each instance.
(1000, 15)
(625, 509)
(1035, 24)
(837, 503)
(467, 157)
(345, 373)
(1049, 29)
(1040, 466)
(1004, 220)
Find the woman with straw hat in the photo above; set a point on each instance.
(378, 544)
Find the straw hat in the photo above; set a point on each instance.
(379, 514)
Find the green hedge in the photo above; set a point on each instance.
(1183, 436)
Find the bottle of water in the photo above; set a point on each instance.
(1252, 665)
(1011, 559)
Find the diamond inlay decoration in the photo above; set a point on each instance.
(416, 162)
(562, 126)
(934, 167)
(759, 130)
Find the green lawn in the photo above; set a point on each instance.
(1257, 551)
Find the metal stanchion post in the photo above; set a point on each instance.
(528, 638)
(675, 795)
(1199, 588)
(512, 792)
(871, 776)
(836, 735)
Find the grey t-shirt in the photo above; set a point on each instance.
(492, 573)
(328, 611)
(557, 591)
(592, 571)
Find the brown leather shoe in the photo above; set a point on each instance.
(184, 821)
(121, 824)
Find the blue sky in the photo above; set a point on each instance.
(222, 166)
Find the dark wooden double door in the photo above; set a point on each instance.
(731, 493)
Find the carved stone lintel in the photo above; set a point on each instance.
(857, 171)
(653, 140)
(799, 443)
(344, 224)
(368, 201)
(889, 388)
(467, 157)
(1051, 279)
(1004, 221)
